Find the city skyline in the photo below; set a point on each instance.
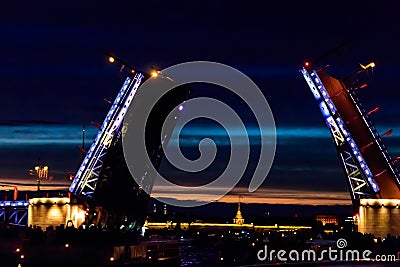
(54, 70)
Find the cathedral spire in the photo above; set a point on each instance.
(238, 218)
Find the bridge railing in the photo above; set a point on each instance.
(377, 138)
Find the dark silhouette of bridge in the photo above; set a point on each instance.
(103, 182)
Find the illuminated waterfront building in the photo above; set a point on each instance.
(327, 219)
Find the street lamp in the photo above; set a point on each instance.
(154, 73)
(124, 65)
(158, 73)
(42, 172)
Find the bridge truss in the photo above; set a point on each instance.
(14, 212)
(103, 180)
(369, 168)
(86, 178)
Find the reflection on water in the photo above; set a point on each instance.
(193, 256)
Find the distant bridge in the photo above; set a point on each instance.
(14, 212)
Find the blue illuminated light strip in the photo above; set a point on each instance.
(346, 133)
(100, 135)
(14, 203)
(329, 110)
(92, 161)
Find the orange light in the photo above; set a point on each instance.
(307, 64)
(67, 245)
(154, 74)
(112, 259)
(111, 59)
(372, 64)
(17, 250)
(132, 71)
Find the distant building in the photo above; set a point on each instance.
(327, 219)
(238, 218)
(54, 211)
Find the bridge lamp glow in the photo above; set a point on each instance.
(111, 59)
(154, 74)
(370, 65)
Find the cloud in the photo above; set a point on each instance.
(263, 195)
(30, 184)
(26, 135)
(294, 179)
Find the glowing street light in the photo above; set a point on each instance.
(125, 67)
(157, 73)
(42, 172)
(370, 65)
(154, 73)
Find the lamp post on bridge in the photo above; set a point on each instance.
(41, 172)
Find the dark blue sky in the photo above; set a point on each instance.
(53, 69)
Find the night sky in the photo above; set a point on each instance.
(54, 76)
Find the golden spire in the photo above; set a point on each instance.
(238, 218)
